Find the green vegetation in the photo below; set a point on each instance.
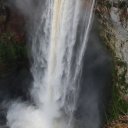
(12, 53)
(10, 50)
(12, 42)
(119, 104)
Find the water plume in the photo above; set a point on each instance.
(59, 35)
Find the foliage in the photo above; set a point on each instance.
(12, 53)
(118, 104)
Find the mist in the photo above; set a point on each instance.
(69, 90)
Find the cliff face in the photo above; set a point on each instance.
(13, 22)
(113, 17)
(119, 20)
(12, 40)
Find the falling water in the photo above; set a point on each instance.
(58, 46)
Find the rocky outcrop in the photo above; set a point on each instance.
(119, 20)
(113, 16)
(12, 40)
(11, 21)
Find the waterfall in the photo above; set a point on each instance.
(58, 46)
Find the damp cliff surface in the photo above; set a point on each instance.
(14, 64)
(113, 16)
(13, 52)
(120, 29)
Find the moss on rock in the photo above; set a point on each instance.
(119, 104)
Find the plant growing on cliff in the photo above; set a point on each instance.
(12, 53)
(120, 87)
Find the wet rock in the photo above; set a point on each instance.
(12, 21)
(113, 15)
(121, 44)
